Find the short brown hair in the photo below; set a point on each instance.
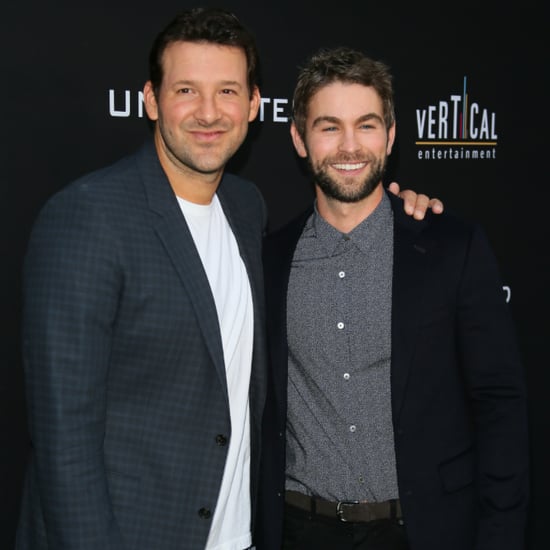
(208, 25)
(341, 65)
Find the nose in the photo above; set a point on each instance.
(349, 142)
(207, 111)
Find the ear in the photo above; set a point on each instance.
(391, 138)
(298, 141)
(150, 101)
(255, 101)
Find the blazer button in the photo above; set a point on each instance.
(221, 440)
(205, 513)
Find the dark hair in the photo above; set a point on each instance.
(341, 65)
(208, 25)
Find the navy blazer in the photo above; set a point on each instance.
(458, 393)
(125, 376)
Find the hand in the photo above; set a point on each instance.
(415, 204)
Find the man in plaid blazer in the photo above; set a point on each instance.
(143, 321)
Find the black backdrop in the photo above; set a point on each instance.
(469, 81)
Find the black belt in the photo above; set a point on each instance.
(345, 510)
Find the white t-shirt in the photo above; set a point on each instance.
(219, 252)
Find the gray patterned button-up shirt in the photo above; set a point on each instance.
(339, 433)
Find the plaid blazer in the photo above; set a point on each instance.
(124, 368)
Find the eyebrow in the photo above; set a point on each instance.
(195, 82)
(336, 120)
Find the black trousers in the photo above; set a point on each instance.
(302, 531)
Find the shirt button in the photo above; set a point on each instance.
(342, 274)
(340, 325)
(352, 428)
(346, 376)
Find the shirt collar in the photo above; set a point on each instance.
(362, 236)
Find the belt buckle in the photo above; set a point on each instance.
(342, 506)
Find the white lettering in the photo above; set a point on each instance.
(140, 104)
(263, 101)
(444, 121)
(277, 110)
(484, 131)
(420, 121)
(120, 106)
(112, 111)
(431, 122)
(474, 109)
(455, 100)
(443, 116)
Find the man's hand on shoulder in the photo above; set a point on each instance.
(416, 204)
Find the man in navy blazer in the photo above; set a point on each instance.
(144, 330)
(396, 390)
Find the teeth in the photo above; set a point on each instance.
(349, 166)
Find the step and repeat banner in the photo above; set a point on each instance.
(470, 102)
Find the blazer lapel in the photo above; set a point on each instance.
(173, 232)
(411, 259)
(247, 241)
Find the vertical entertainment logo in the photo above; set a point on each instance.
(456, 129)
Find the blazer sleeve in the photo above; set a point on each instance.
(70, 286)
(494, 377)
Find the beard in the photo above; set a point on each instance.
(203, 159)
(348, 189)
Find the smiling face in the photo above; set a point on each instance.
(345, 141)
(202, 108)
